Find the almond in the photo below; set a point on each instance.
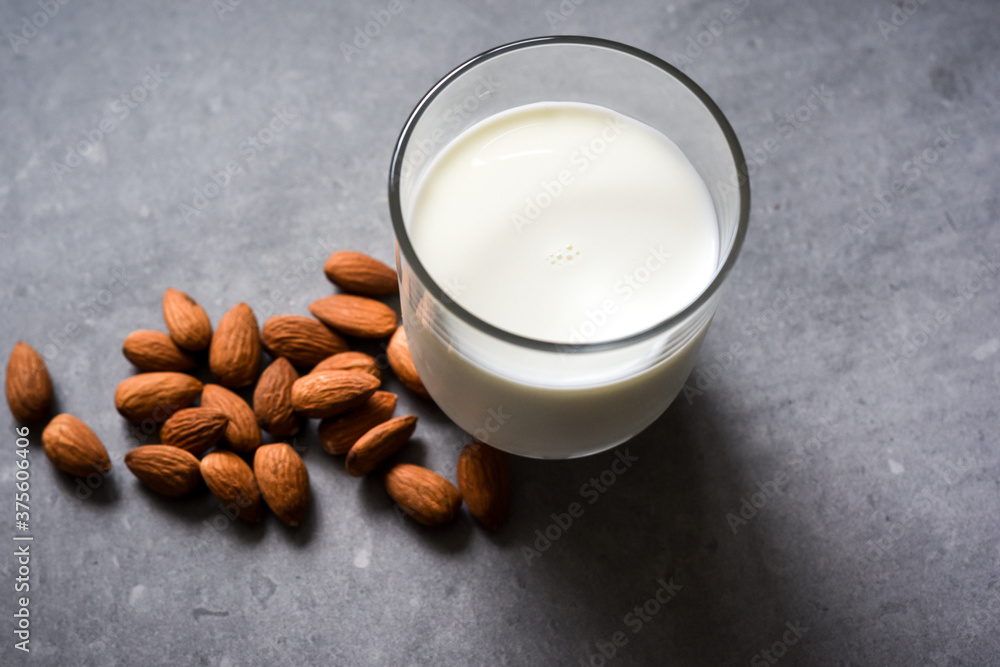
(331, 393)
(378, 444)
(484, 480)
(29, 387)
(194, 429)
(355, 315)
(423, 494)
(232, 481)
(357, 272)
(242, 433)
(402, 363)
(234, 354)
(167, 470)
(187, 322)
(338, 434)
(155, 351)
(350, 361)
(272, 399)
(302, 340)
(73, 448)
(155, 395)
(283, 481)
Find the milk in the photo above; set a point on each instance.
(564, 223)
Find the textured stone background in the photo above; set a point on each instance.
(876, 423)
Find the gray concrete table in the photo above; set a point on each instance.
(827, 493)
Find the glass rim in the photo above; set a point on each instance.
(409, 253)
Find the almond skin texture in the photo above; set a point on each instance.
(378, 444)
(155, 395)
(29, 387)
(330, 393)
(350, 361)
(402, 363)
(357, 272)
(234, 355)
(301, 340)
(283, 481)
(484, 480)
(155, 351)
(73, 448)
(167, 470)
(423, 494)
(194, 430)
(231, 479)
(272, 399)
(242, 433)
(355, 315)
(187, 322)
(338, 434)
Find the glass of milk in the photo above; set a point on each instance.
(565, 210)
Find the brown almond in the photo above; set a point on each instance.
(167, 470)
(272, 399)
(338, 434)
(232, 481)
(187, 322)
(378, 444)
(302, 340)
(155, 351)
(350, 361)
(330, 393)
(155, 395)
(283, 481)
(423, 494)
(73, 448)
(359, 273)
(242, 433)
(355, 315)
(234, 354)
(484, 480)
(29, 387)
(194, 430)
(402, 363)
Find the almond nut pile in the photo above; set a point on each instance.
(219, 441)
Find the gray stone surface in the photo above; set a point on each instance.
(861, 381)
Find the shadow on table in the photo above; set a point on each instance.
(634, 549)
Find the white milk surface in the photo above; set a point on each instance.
(567, 223)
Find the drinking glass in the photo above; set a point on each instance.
(533, 397)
